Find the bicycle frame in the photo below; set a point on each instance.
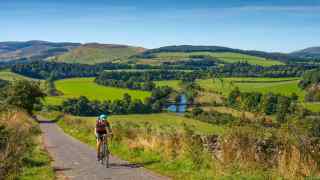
(104, 151)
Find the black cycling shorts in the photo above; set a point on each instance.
(99, 135)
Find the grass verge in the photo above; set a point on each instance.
(37, 165)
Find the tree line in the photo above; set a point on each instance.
(43, 69)
(82, 106)
(142, 80)
(202, 65)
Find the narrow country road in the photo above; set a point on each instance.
(76, 160)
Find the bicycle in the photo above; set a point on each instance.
(104, 151)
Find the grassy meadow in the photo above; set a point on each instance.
(93, 54)
(314, 107)
(285, 86)
(175, 84)
(226, 57)
(76, 87)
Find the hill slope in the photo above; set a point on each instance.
(189, 48)
(97, 53)
(222, 54)
(32, 50)
(312, 52)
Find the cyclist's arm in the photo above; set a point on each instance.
(108, 127)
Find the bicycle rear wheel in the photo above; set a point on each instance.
(107, 155)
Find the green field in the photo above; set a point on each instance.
(75, 87)
(97, 53)
(314, 107)
(175, 84)
(226, 57)
(285, 86)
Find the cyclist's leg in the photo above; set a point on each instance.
(98, 145)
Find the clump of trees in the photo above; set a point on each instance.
(43, 69)
(147, 75)
(22, 94)
(82, 106)
(142, 80)
(212, 116)
(309, 78)
(130, 84)
(311, 83)
(196, 63)
(3, 83)
(51, 87)
(269, 103)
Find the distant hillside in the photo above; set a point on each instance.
(312, 53)
(189, 48)
(98, 53)
(219, 57)
(32, 50)
(222, 54)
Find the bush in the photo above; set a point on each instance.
(17, 134)
(23, 94)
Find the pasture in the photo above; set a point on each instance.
(226, 57)
(95, 53)
(284, 86)
(175, 84)
(76, 87)
(314, 107)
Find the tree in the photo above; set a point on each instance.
(269, 103)
(51, 87)
(282, 108)
(232, 98)
(196, 111)
(23, 94)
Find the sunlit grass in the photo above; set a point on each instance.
(76, 87)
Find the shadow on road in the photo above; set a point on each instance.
(48, 121)
(58, 169)
(133, 165)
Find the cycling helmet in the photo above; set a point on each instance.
(103, 117)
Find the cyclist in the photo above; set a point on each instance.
(102, 125)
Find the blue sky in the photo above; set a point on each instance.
(274, 25)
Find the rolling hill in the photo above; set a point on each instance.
(219, 49)
(98, 53)
(93, 53)
(312, 53)
(222, 57)
(32, 50)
